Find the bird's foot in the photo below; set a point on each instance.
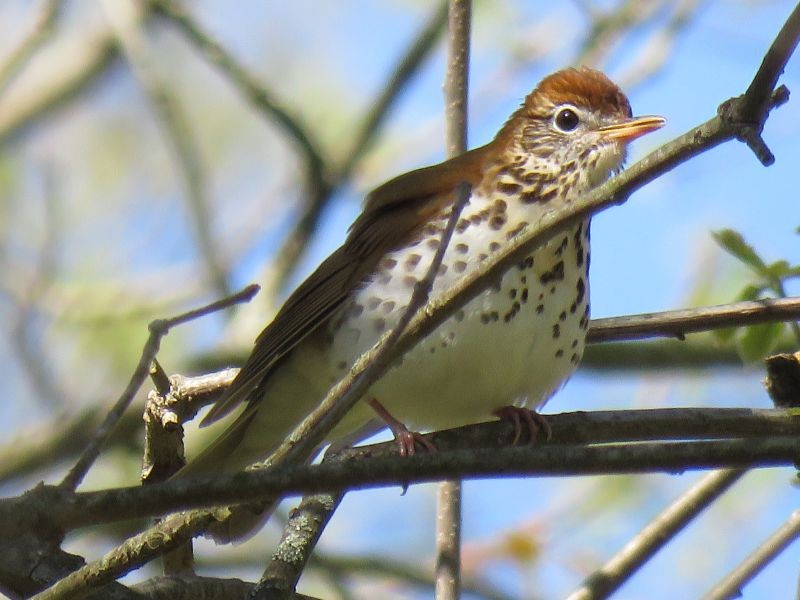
(407, 440)
(533, 422)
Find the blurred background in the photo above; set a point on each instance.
(144, 172)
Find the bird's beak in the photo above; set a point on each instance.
(631, 129)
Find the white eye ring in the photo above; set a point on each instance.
(566, 119)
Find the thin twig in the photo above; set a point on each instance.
(32, 355)
(731, 585)
(677, 323)
(158, 329)
(456, 84)
(178, 135)
(606, 580)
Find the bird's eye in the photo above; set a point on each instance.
(567, 119)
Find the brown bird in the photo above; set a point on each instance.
(514, 344)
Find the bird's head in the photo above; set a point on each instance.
(576, 118)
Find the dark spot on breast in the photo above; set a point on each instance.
(525, 263)
(563, 316)
(500, 206)
(341, 365)
(388, 263)
(581, 287)
(462, 225)
(442, 269)
(482, 256)
(355, 311)
(388, 306)
(513, 293)
(574, 358)
(579, 257)
(524, 296)
(433, 243)
(459, 316)
(556, 331)
(529, 197)
(559, 353)
(508, 188)
(459, 266)
(430, 229)
(476, 219)
(562, 246)
(461, 248)
(412, 261)
(373, 303)
(409, 281)
(497, 221)
(574, 344)
(554, 274)
(539, 308)
(494, 246)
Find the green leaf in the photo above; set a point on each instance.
(758, 341)
(751, 292)
(733, 242)
(779, 269)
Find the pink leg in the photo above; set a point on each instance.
(406, 439)
(533, 421)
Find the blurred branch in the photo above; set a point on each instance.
(409, 64)
(179, 136)
(731, 585)
(70, 72)
(32, 355)
(656, 50)
(448, 494)
(158, 329)
(404, 573)
(39, 33)
(607, 28)
(661, 530)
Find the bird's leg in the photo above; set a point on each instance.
(405, 438)
(532, 420)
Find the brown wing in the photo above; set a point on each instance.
(392, 214)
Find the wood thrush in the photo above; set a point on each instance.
(514, 344)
